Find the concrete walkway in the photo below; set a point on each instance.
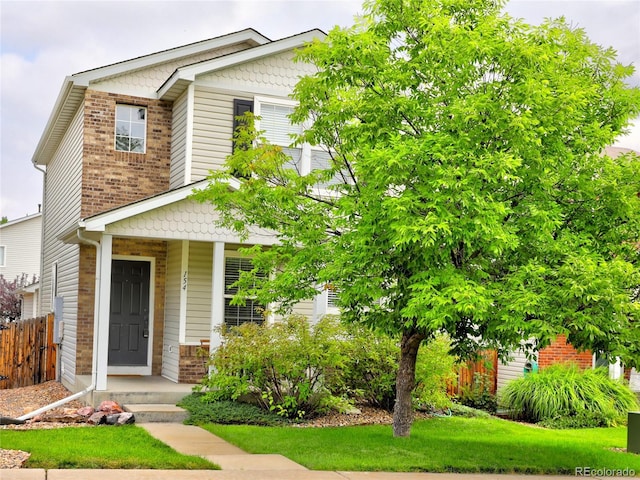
(236, 464)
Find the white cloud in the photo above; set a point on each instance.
(44, 41)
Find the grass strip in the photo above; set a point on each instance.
(128, 447)
(441, 445)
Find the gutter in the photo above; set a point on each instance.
(94, 360)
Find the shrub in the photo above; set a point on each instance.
(435, 368)
(478, 395)
(563, 396)
(280, 366)
(368, 374)
(226, 412)
(296, 369)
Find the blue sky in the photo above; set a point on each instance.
(43, 41)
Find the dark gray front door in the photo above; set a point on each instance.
(129, 318)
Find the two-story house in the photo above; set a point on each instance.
(142, 270)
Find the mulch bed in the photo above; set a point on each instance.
(16, 402)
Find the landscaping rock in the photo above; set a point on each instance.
(126, 418)
(110, 407)
(86, 411)
(63, 418)
(97, 418)
(112, 419)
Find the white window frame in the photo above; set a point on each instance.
(131, 122)
(306, 149)
(3, 255)
(229, 296)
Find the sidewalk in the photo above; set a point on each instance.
(236, 464)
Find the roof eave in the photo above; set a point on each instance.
(68, 101)
(182, 77)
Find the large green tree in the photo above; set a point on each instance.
(466, 191)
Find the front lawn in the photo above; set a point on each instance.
(440, 445)
(97, 447)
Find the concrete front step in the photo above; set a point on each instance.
(156, 413)
(127, 398)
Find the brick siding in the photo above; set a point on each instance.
(560, 351)
(193, 364)
(110, 178)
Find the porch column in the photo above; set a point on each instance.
(217, 294)
(184, 288)
(101, 324)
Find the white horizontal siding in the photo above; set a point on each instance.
(305, 308)
(212, 130)
(179, 142)
(171, 343)
(512, 370)
(22, 241)
(61, 213)
(199, 291)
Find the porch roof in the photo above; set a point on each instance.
(171, 215)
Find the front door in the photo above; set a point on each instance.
(129, 317)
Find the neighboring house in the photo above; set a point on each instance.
(141, 269)
(560, 351)
(20, 250)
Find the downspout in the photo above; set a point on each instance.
(94, 360)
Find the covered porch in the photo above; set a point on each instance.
(155, 290)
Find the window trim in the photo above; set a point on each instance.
(115, 127)
(3, 256)
(306, 149)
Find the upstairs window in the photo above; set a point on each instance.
(3, 255)
(131, 128)
(278, 130)
(251, 311)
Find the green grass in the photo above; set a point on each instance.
(440, 445)
(97, 447)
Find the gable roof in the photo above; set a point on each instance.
(147, 213)
(73, 88)
(183, 76)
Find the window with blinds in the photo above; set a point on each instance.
(278, 130)
(251, 311)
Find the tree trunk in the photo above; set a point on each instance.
(405, 383)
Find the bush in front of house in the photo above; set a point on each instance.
(279, 366)
(563, 396)
(298, 370)
(368, 371)
(227, 412)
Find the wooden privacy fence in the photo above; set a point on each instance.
(483, 369)
(27, 352)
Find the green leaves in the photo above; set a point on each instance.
(473, 195)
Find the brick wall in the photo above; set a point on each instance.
(560, 351)
(86, 291)
(193, 364)
(86, 295)
(110, 178)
